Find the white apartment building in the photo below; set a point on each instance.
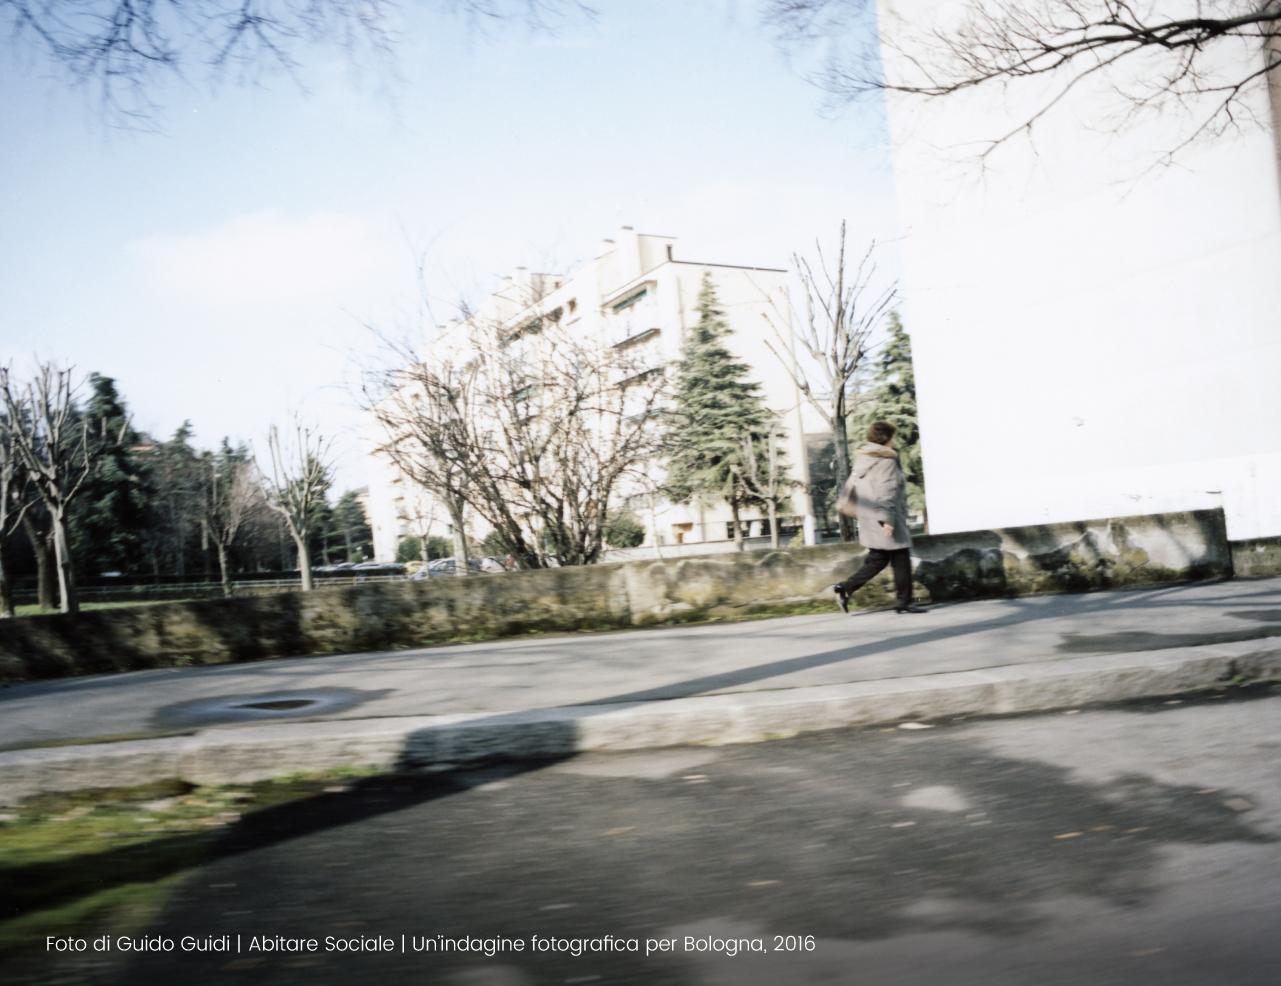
(636, 293)
(1094, 334)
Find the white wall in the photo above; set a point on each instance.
(1091, 338)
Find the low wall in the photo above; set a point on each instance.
(1127, 551)
(1259, 558)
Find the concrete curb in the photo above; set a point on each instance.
(244, 754)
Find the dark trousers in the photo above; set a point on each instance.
(877, 559)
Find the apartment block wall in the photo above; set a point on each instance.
(1093, 332)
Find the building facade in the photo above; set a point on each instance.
(1096, 331)
(637, 295)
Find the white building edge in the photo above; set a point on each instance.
(1092, 336)
(638, 293)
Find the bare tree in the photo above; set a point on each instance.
(14, 501)
(766, 481)
(425, 413)
(843, 309)
(232, 489)
(57, 450)
(56, 447)
(124, 48)
(1169, 52)
(301, 474)
(423, 520)
(567, 421)
(534, 430)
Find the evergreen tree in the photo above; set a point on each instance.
(716, 406)
(326, 542)
(351, 528)
(409, 548)
(109, 518)
(624, 530)
(175, 481)
(893, 398)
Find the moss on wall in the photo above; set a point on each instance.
(1258, 558)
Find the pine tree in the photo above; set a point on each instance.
(351, 528)
(893, 399)
(109, 518)
(716, 406)
(174, 479)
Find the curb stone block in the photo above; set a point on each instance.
(243, 754)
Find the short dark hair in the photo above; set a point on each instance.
(880, 432)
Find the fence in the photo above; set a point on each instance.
(159, 591)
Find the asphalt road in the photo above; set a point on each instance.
(1133, 846)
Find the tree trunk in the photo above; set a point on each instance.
(460, 539)
(738, 529)
(773, 523)
(46, 585)
(205, 538)
(841, 444)
(304, 562)
(223, 575)
(6, 587)
(62, 555)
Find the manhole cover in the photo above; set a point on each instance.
(293, 703)
(263, 707)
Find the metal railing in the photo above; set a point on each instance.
(143, 592)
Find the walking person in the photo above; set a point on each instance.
(877, 493)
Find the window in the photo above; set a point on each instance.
(631, 299)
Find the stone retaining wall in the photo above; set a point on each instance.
(1110, 553)
(1260, 558)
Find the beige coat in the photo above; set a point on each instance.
(882, 498)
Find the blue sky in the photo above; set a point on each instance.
(221, 268)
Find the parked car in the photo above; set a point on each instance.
(449, 566)
(340, 567)
(378, 568)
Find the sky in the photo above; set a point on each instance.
(226, 265)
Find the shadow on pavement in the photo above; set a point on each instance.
(52, 883)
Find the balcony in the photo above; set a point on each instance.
(631, 321)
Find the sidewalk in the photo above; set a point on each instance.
(709, 684)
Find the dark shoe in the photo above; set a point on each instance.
(910, 609)
(842, 598)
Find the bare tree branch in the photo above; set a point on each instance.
(531, 428)
(300, 477)
(54, 444)
(232, 490)
(843, 309)
(1172, 55)
(125, 48)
